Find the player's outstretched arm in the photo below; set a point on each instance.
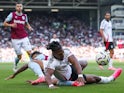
(48, 75)
(23, 68)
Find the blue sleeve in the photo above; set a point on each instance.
(26, 19)
(9, 18)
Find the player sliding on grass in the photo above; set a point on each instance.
(65, 79)
(38, 66)
(59, 65)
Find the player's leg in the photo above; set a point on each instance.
(72, 81)
(83, 63)
(102, 79)
(35, 67)
(17, 47)
(27, 45)
(111, 50)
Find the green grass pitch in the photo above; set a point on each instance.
(19, 85)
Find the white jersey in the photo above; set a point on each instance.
(107, 29)
(62, 68)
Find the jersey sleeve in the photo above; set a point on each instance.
(102, 26)
(9, 18)
(26, 19)
(68, 52)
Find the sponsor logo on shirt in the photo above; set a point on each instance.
(19, 22)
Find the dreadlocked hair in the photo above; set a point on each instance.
(54, 46)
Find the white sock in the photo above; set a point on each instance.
(106, 79)
(36, 69)
(110, 64)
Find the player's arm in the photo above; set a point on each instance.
(7, 20)
(102, 26)
(101, 33)
(49, 72)
(72, 59)
(28, 25)
(23, 68)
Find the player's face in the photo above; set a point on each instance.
(107, 16)
(59, 54)
(54, 36)
(19, 7)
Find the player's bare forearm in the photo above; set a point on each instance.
(6, 24)
(29, 27)
(48, 75)
(17, 72)
(101, 33)
(23, 68)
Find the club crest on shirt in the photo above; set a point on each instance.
(23, 17)
(16, 17)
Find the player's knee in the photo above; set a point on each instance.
(83, 63)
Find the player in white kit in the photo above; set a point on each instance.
(39, 68)
(37, 65)
(64, 65)
(106, 33)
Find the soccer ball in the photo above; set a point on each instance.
(102, 58)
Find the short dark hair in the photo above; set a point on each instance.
(34, 53)
(54, 46)
(107, 13)
(18, 3)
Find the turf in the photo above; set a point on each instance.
(19, 85)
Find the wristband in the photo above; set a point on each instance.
(80, 75)
(51, 85)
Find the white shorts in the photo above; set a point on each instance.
(21, 43)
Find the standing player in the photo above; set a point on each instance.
(106, 33)
(19, 37)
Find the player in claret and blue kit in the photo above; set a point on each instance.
(19, 37)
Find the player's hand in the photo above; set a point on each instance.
(14, 25)
(10, 77)
(31, 29)
(81, 80)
